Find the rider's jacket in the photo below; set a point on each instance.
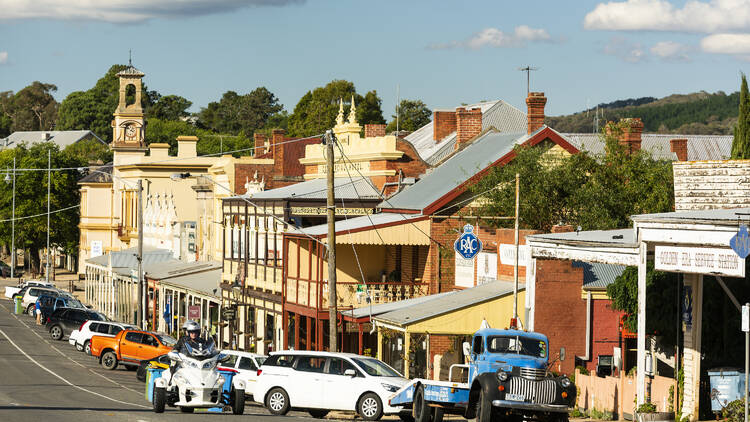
(180, 347)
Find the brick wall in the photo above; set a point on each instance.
(260, 144)
(560, 313)
(443, 124)
(468, 125)
(535, 103)
(372, 130)
(631, 134)
(680, 148)
(605, 330)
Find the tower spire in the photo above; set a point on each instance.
(340, 116)
(353, 112)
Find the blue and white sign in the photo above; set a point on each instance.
(740, 242)
(468, 244)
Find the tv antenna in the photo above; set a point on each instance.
(528, 70)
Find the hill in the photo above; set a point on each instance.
(699, 113)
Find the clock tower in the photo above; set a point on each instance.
(128, 126)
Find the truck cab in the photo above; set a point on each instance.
(512, 351)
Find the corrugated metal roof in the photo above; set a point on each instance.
(103, 174)
(455, 170)
(443, 304)
(700, 147)
(206, 282)
(382, 308)
(344, 187)
(498, 114)
(619, 237)
(170, 269)
(343, 226)
(127, 258)
(717, 216)
(62, 138)
(598, 276)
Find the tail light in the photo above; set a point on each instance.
(259, 371)
(80, 329)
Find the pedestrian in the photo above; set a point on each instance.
(38, 311)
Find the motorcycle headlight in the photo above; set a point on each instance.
(565, 382)
(502, 375)
(208, 365)
(389, 387)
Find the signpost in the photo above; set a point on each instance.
(740, 244)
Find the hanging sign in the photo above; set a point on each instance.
(740, 242)
(717, 261)
(194, 312)
(468, 244)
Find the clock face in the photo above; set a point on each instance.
(130, 132)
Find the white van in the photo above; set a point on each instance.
(246, 364)
(322, 381)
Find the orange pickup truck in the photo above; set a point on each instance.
(130, 347)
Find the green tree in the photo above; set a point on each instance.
(412, 114)
(170, 107)
(741, 142)
(316, 111)
(31, 199)
(209, 142)
(89, 151)
(32, 108)
(92, 109)
(235, 113)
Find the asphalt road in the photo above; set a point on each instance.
(43, 379)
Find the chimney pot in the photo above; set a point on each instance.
(535, 103)
(260, 143)
(631, 134)
(679, 147)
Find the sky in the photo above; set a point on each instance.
(445, 53)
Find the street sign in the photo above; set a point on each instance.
(740, 242)
(468, 244)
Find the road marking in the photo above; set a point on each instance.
(66, 381)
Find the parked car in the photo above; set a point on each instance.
(32, 294)
(64, 320)
(48, 304)
(81, 337)
(130, 347)
(11, 291)
(324, 381)
(246, 364)
(161, 361)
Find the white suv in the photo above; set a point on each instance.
(33, 293)
(81, 338)
(246, 364)
(324, 381)
(12, 290)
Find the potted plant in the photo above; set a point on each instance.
(647, 413)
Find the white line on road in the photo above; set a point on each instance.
(66, 381)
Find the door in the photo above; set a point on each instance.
(149, 347)
(248, 372)
(341, 391)
(129, 345)
(74, 320)
(306, 385)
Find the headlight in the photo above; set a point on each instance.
(390, 388)
(565, 382)
(502, 375)
(191, 364)
(208, 365)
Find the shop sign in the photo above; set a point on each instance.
(194, 312)
(486, 267)
(717, 261)
(508, 254)
(740, 242)
(324, 211)
(464, 271)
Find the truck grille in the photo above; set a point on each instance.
(532, 373)
(542, 391)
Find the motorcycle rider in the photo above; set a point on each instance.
(191, 338)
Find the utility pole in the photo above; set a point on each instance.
(142, 306)
(515, 266)
(13, 226)
(528, 70)
(330, 139)
(49, 183)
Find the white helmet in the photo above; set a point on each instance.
(191, 325)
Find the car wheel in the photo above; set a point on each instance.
(109, 360)
(318, 413)
(484, 408)
(30, 310)
(56, 332)
(187, 409)
(79, 347)
(87, 347)
(370, 407)
(277, 401)
(238, 405)
(160, 399)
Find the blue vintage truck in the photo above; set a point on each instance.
(508, 380)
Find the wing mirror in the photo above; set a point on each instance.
(223, 358)
(350, 373)
(174, 356)
(466, 346)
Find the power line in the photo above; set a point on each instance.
(39, 215)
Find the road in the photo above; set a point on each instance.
(43, 379)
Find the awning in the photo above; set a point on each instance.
(377, 229)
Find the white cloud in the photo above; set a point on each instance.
(493, 37)
(124, 11)
(661, 15)
(671, 51)
(3, 57)
(727, 44)
(625, 50)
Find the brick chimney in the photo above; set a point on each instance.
(679, 147)
(631, 134)
(443, 124)
(260, 143)
(277, 137)
(535, 103)
(468, 124)
(372, 130)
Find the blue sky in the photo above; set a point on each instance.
(442, 52)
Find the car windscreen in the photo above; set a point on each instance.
(375, 368)
(166, 340)
(517, 344)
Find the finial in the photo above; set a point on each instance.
(340, 116)
(130, 57)
(353, 112)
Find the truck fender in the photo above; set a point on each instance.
(481, 382)
(238, 383)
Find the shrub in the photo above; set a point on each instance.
(734, 411)
(649, 408)
(577, 413)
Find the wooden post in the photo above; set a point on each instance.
(330, 205)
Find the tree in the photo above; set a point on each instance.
(31, 199)
(89, 151)
(592, 191)
(170, 107)
(209, 142)
(32, 108)
(741, 142)
(412, 114)
(316, 111)
(92, 110)
(236, 113)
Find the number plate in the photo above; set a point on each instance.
(515, 397)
